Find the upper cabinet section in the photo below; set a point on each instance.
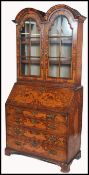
(49, 45)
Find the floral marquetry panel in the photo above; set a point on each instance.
(37, 96)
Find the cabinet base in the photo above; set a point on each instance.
(65, 168)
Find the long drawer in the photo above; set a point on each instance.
(49, 122)
(39, 135)
(38, 148)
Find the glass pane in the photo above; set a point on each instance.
(65, 29)
(66, 48)
(27, 27)
(54, 47)
(25, 68)
(54, 70)
(34, 29)
(56, 27)
(60, 27)
(25, 39)
(35, 69)
(25, 31)
(24, 50)
(65, 71)
(35, 47)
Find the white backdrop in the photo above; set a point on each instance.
(18, 164)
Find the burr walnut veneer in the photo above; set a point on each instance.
(44, 108)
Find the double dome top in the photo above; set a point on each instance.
(45, 16)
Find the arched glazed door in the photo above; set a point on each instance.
(61, 46)
(30, 49)
(29, 45)
(60, 49)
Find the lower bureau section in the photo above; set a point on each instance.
(31, 146)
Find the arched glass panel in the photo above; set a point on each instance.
(30, 49)
(60, 48)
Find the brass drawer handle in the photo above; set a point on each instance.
(33, 121)
(50, 117)
(34, 112)
(52, 138)
(18, 143)
(18, 111)
(51, 127)
(17, 120)
(34, 143)
(52, 152)
(17, 131)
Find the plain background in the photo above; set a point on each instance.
(18, 164)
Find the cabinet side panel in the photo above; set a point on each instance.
(79, 53)
(75, 125)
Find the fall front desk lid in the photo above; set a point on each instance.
(45, 97)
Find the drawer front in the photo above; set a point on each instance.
(33, 133)
(35, 147)
(46, 121)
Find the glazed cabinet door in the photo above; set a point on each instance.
(60, 32)
(29, 50)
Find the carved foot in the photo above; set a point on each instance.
(78, 156)
(7, 152)
(65, 168)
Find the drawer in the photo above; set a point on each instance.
(44, 137)
(46, 121)
(17, 111)
(36, 148)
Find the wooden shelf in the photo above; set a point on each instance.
(37, 61)
(56, 36)
(57, 62)
(58, 42)
(32, 42)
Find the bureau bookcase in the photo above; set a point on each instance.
(44, 108)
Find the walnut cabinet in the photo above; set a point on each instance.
(44, 108)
